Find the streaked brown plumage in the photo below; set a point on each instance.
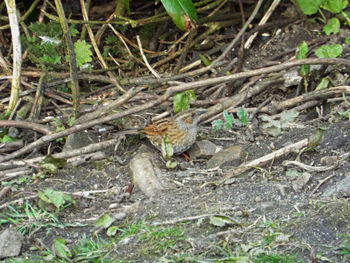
(180, 131)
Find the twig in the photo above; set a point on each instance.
(321, 183)
(26, 125)
(190, 218)
(169, 92)
(262, 22)
(235, 40)
(145, 59)
(265, 159)
(310, 167)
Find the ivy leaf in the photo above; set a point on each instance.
(82, 52)
(329, 51)
(332, 26)
(182, 12)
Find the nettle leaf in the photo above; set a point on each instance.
(242, 116)
(335, 6)
(217, 124)
(329, 51)
(182, 12)
(82, 52)
(310, 7)
(332, 26)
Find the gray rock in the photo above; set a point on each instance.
(230, 156)
(146, 173)
(301, 181)
(203, 149)
(10, 243)
(341, 188)
(79, 139)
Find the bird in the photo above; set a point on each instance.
(174, 135)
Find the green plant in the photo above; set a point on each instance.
(30, 219)
(182, 12)
(45, 44)
(181, 100)
(229, 120)
(276, 258)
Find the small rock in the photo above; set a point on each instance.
(146, 173)
(203, 149)
(329, 160)
(79, 139)
(301, 181)
(341, 188)
(227, 157)
(10, 243)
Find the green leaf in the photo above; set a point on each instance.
(111, 231)
(347, 40)
(204, 59)
(301, 54)
(345, 114)
(323, 84)
(229, 120)
(54, 197)
(242, 116)
(82, 52)
(61, 249)
(7, 138)
(166, 147)
(310, 7)
(287, 117)
(335, 6)
(292, 172)
(104, 221)
(302, 50)
(221, 221)
(332, 26)
(182, 12)
(181, 101)
(329, 51)
(217, 124)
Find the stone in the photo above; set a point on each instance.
(301, 181)
(79, 139)
(203, 149)
(342, 188)
(10, 243)
(230, 156)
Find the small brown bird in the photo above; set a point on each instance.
(180, 132)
